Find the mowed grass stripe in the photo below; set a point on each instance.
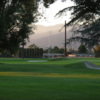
(32, 74)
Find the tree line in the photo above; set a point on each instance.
(31, 53)
(55, 49)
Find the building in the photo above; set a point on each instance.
(52, 55)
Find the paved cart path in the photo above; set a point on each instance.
(91, 65)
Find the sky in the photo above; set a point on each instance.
(49, 19)
(48, 26)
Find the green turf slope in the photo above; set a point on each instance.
(57, 79)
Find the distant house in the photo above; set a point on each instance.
(81, 55)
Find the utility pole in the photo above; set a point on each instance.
(65, 41)
(65, 44)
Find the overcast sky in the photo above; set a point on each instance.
(48, 18)
(42, 33)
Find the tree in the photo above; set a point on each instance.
(33, 46)
(97, 51)
(61, 50)
(82, 49)
(55, 49)
(47, 2)
(15, 19)
(86, 13)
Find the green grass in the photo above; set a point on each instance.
(57, 79)
(30, 88)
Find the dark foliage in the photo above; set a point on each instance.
(31, 53)
(86, 15)
(82, 49)
(15, 19)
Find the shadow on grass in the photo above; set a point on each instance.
(72, 68)
(46, 68)
(80, 68)
(78, 65)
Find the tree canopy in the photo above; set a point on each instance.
(82, 49)
(86, 15)
(15, 19)
(97, 51)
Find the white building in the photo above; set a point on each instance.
(52, 55)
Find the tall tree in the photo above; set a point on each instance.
(15, 19)
(85, 14)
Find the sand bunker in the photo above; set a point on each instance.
(91, 65)
(37, 61)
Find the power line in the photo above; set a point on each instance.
(61, 28)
